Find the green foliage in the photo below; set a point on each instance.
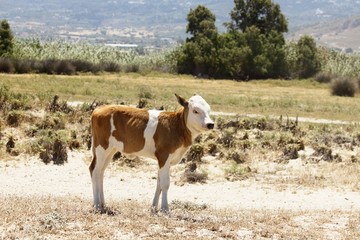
(261, 24)
(264, 14)
(307, 62)
(338, 63)
(10, 100)
(253, 47)
(237, 172)
(61, 57)
(198, 55)
(201, 23)
(6, 39)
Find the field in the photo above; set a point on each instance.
(282, 163)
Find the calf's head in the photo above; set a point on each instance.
(198, 117)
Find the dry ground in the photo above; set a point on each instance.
(39, 201)
(266, 178)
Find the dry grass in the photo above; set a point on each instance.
(260, 150)
(73, 218)
(296, 97)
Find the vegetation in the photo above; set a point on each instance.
(252, 48)
(6, 39)
(239, 148)
(343, 86)
(59, 57)
(305, 98)
(246, 51)
(307, 59)
(198, 55)
(36, 118)
(73, 218)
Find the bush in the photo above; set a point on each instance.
(308, 60)
(49, 66)
(111, 67)
(6, 66)
(65, 67)
(52, 148)
(343, 86)
(134, 68)
(82, 65)
(324, 77)
(358, 82)
(10, 100)
(22, 66)
(13, 118)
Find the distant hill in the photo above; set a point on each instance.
(307, 12)
(145, 22)
(340, 34)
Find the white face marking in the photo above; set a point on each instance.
(199, 115)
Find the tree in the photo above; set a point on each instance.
(307, 57)
(262, 25)
(263, 14)
(198, 55)
(6, 38)
(201, 23)
(252, 48)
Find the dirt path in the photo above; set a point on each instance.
(299, 119)
(31, 177)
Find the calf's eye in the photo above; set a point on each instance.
(196, 112)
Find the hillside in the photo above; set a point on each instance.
(340, 34)
(106, 21)
(159, 23)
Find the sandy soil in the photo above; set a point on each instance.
(32, 177)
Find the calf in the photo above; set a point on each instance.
(164, 136)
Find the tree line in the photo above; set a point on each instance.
(253, 47)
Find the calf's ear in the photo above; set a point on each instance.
(182, 101)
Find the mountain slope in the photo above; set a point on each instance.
(341, 34)
(141, 21)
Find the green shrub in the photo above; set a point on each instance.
(13, 101)
(308, 60)
(237, 172)
(343, 86)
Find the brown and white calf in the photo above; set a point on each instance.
(164, 136)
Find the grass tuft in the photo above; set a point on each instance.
(343, 86)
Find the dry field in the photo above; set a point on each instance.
(259, 177)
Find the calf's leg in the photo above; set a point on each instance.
(162, 187)
(101, 160)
